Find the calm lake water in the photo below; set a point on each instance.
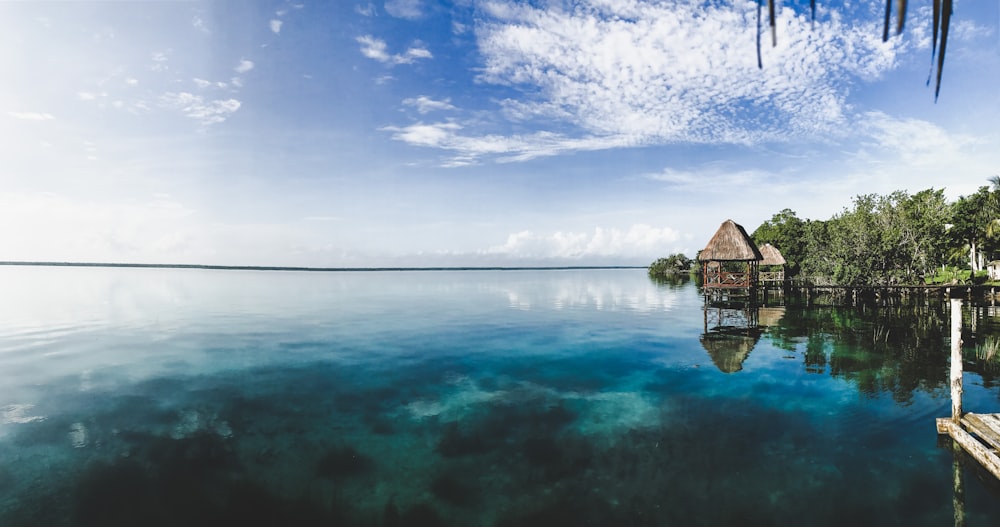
(470, 398)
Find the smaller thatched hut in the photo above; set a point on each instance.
(731, 258)
(772, 267)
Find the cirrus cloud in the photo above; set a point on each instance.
(638, 72)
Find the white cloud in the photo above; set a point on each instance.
(131, 81)
(720, 178)
(468, 149)
(410, 9)
(637, 241)
(202, 84)
(199, 24)
(425, 104)
(43, 226)
(197, 108)
(32, 116)
(639, 72)
(376, 49)
(159, 59)
(244, 66)
(920, 154)
(276, 26)
(965, 29)
(916, 142)
(365, 10)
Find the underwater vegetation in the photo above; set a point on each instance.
(825, 424)
(343, 461)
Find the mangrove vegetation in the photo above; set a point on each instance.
(884, 240)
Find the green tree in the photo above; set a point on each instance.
(786, 232)
(971, 219)
(883, 240)
(923, 233)
(675, 263)
(818, 259)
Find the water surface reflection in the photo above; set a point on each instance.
(468, 398)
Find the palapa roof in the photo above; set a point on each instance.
(730, 243)
(729, 350)
(771, 254)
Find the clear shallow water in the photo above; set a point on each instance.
(186, 397)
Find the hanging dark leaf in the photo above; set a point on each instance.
(885, 27)
(774, 31)
(760, 63)
(946, 6)
(935, 24)
(900, 15)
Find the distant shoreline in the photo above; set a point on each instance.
(312, 269)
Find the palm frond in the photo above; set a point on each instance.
(760, 63)
(941, 19)
(935, 25)
(774, 31)
(946, 6)
(900, 15)
(885, 27)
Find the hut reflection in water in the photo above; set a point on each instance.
(732, 329)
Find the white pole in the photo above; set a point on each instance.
(956, 360)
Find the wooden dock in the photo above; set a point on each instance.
(978, 434)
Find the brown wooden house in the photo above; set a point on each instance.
(731, 259)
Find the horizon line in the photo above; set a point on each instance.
(310, 269)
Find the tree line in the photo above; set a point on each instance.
(894, 239)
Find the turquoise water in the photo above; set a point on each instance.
(470, 398)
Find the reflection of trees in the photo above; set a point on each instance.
(897, 349)
(982, 345)
(671, 280)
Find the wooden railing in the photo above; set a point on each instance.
(727, 279)
(772, 276)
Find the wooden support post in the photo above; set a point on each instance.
(956, 360)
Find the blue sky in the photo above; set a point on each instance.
(425, 133)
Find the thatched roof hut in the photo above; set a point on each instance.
(771, 254)
(731, 243)
(731, 258)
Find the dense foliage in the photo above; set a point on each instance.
(895, 239)
(673, 264)
(886, 240)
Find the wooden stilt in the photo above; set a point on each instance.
(986, 427)
(956, 360)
